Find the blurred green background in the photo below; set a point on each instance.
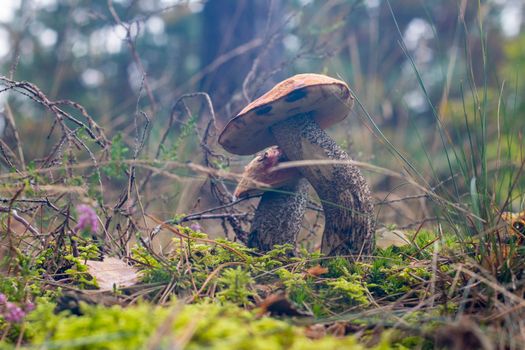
(438, 82)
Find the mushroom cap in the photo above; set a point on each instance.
(260, 171)
(328, 100)
(516, 221)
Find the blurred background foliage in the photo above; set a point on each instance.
(427, 73)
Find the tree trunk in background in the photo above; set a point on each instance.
(228, 24)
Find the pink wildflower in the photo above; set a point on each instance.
(87, 218)
(13, 313)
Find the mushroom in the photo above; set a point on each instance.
(280, 212)
(293, 115)
(260, 173)
(516, 221)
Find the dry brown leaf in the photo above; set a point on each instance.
(317, 270)
(315, 331)
(337, 329)
(112, 271)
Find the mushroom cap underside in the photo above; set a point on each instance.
(326, 99)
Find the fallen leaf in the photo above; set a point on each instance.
(317, 270)
(315, 331)
(337, 329)
(112, 271)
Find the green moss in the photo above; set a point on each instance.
(235, 284)
(229, 278)
(208, 326)
(353, 289)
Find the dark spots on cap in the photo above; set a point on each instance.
(263, 110)
(296, 95)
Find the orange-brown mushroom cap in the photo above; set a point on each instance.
(326, 99)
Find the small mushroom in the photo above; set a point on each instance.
(293, 115)
(260, 173)
(280, 212)
(516, 221)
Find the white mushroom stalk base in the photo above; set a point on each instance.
(344, 193)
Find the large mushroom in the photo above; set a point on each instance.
(281, 210)
(293, 115)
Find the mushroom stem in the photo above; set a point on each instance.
(279, 215)
(344, 193)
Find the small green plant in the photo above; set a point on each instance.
(235, 286)
(352, 288)
(173, 153)
(119, 152)
(78, 272)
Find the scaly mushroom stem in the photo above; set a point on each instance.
(279, 215)
(345, 195)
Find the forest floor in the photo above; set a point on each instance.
(218, 294)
